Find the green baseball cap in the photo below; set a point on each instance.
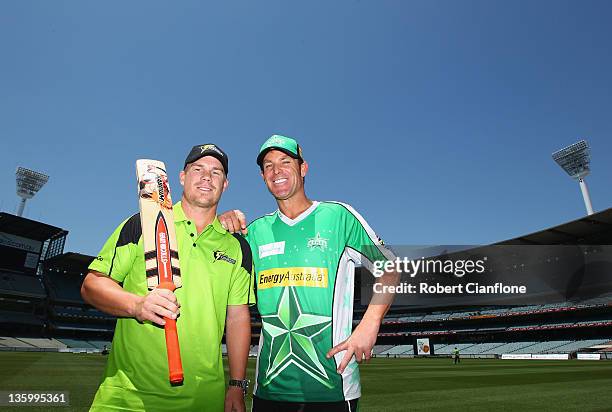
(284, 144)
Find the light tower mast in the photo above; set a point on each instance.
(29, 183)
(575, 160)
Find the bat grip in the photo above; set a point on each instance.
(175, 366)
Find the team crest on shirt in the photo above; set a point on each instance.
(218, 255)
(317, 242)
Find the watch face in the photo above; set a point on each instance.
(244, 384)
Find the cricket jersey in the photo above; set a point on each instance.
(305, 288)
(216, 272)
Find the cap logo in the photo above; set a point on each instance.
(212, 147)
(275, 140)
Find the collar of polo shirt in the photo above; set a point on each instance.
(179, 216)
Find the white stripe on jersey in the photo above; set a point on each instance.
(383, 250)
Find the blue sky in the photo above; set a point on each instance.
(435, 119)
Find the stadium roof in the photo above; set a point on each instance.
(595, 229)
(27, 228)
(70, 262)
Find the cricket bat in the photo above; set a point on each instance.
(160, 246)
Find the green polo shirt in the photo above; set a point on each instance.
(216, 270)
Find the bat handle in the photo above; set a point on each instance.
(175, 366)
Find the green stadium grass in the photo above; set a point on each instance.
(388, 384)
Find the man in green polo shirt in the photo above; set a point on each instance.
(305, 255)
(217, 288)
(456, 359)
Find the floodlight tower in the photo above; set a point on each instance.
(575, 160)
(29, 183)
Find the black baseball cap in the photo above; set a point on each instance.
(208, 149)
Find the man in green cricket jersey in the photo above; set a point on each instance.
(305, 255)
(217, 288)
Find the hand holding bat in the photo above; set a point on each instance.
(156, 305)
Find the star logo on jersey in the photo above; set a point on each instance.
(292, 332)
(317, 242)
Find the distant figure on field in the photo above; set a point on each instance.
(456, 355)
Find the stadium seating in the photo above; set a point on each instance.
(100, 344)
(447, 350)
(480, 348)
(415, 318)
(20, 318)
(9, 342)
(64, 287)
(399, 350)
(78, 344)
(22, 285)
(547, 347)
(438, 346)
(493, 311)
(43, 343)
(436, 316)
(498, 348)
(379, 349)
(578, 345)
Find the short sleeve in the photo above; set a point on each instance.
(241, 287)
(117, 255)
(362, 241)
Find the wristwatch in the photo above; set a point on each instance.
(241, 383)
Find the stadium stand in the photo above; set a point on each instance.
(499, 348)
(399, 350)
(77, 343)
(63, 276)
(480, 348)
(40, 290)
(9, 342)
(100, 344)
(578, 345)
(21, 285)
(7, 318)
(577, 324)
(41, 307)
(43, 343)
(379, 349)
(447, 350)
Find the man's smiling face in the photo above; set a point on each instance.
(203, 182)
(283, 175)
